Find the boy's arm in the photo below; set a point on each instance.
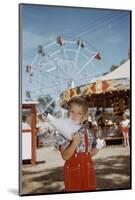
(67, 152)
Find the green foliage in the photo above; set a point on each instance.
(113, 67)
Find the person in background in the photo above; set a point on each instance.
(25, 125)
(125, 124)
(44, 130)
(98, 113)
(116, 128)
(89, 119)
(41, 130)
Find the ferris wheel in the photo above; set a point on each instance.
(61, 64)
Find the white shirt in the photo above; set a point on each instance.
(94, 123)
(125, 123)
(89, 119)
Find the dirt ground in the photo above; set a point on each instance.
(112, 167)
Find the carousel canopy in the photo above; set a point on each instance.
(115, 83)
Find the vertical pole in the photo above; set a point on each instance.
(72, 84)
(33, 126)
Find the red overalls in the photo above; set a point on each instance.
(79, 172)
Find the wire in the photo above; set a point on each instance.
(103, 25)
(93, 26)
(97, 19)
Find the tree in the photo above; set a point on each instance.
(122, 61)
(113, 67)
(28, 95)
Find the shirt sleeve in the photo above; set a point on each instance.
(61, 141)
(81, 130)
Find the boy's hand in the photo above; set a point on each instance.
(76, 138)
(70, 149)
(100, 143)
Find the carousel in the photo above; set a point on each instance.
(111, 91)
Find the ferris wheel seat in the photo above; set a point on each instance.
(81, 43)
(28, 68)
(97, 56)
(60, 40)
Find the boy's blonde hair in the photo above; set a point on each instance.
(80, 102)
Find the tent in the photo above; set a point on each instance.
(122, 72)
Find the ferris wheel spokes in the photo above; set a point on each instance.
(86, 64)
(89, 51)
(66, 60)
(50, 86)
(49, 104)
(61, 64)
(49, 45)
(56, 52)
(42, 72)
(34, 59)
(76, 57)
(58, 66)
(84, 55)
(70, 41)
(68, 49)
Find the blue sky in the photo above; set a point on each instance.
(108, 31)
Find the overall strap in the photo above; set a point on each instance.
(86, 140)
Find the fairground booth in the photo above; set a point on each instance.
(29, 132)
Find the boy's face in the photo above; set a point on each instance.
(77, 113)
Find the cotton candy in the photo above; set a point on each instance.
(64, 126)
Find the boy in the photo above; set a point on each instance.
(78, 168)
